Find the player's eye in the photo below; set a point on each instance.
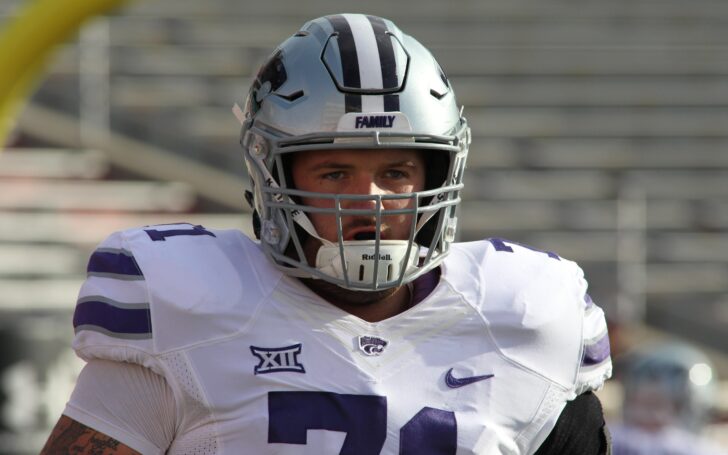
(396, 174)
(333, 175)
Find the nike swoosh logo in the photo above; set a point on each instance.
(454, 382)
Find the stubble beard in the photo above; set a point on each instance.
(338, 295)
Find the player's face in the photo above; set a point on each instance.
(360, 172)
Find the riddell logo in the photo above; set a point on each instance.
(371, 257)
(374, 121)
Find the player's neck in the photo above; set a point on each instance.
(369, 306)
(397, 302)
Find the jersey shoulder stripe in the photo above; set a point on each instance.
(158, 288)
(113, 300)
(596, 344)
(596, 361)
(113, 318)
(596, 351)
(114, 263)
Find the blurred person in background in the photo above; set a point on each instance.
(355, 325)
(669, 392)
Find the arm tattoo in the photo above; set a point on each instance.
(71, 437)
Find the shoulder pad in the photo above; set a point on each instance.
(537, 308)
(157, 288)
(112, 318)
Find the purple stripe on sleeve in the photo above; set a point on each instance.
(113, 319)
(114, 262)
(597, 352)
(588, 300)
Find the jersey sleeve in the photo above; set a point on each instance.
(539, 312)
(595, 364)
(127, 402)
(112, 318)
(159, 289)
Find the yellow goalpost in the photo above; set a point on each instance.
(27, 41)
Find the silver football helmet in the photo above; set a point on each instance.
(353, 81)
(668, 384)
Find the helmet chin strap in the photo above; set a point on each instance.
(365, 264)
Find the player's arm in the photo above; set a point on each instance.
(580, 430)
(116, 408)
(118, 405)
(70, 436)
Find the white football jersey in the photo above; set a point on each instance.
(261, 365)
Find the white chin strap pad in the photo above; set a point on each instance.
(360, 260)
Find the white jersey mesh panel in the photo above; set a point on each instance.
(202, 439)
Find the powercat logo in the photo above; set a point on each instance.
(372, 257)
(372, 345)
(373, 121)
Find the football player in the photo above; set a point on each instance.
(353, 324)
(669, 393)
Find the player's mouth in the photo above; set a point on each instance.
(363, 234)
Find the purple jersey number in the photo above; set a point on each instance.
(162, 235)
(364, 420)
(502, 245)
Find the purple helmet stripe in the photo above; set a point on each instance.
(349, 60)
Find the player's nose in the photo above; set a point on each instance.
(364, 185)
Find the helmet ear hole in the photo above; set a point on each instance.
(287, 161)
(256, 224)
(437, 165)
(427, 232)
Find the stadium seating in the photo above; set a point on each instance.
(599, 133)
(576, 110)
